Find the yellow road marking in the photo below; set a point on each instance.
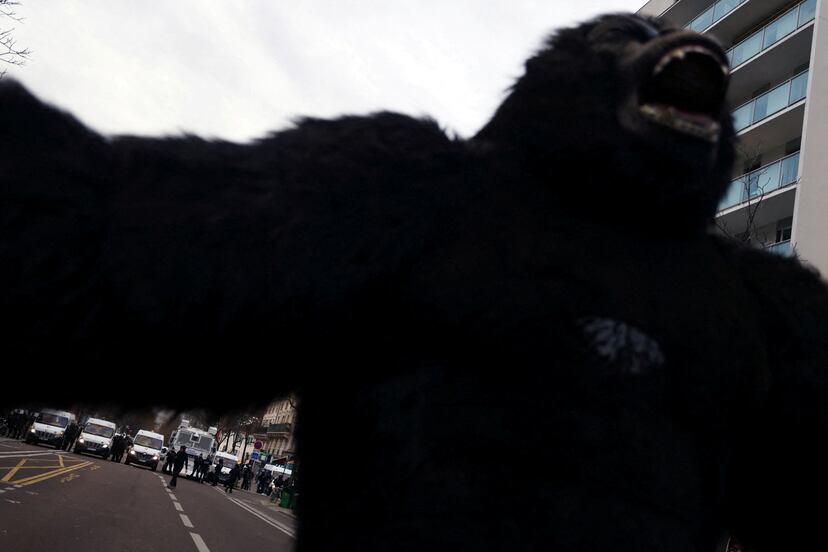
(69, 477)
(43, 477)
(14, 470)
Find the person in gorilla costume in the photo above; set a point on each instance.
(533, 335)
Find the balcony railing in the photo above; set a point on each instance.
(762, 181)
(712, 14)
(781, 248)
(773, 101)
(773, 32)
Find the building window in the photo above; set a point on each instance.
(783, 230)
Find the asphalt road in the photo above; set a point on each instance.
(55, 500)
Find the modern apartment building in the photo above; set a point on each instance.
(778, 51)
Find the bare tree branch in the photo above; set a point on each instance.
(10, 52)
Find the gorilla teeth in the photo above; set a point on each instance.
(672, 117)
(678, 54)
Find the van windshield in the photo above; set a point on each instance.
(149, 442)
(99, 430)
(53, 420)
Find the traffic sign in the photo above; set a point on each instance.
(257, 445)
(254, 455)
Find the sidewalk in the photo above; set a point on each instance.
(265, 501)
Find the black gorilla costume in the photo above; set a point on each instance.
(528, 340)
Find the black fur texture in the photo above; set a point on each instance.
(528, 340)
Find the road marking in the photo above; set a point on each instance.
(60, 458)
(14, 470)
(43, 477)
(267, 519)
(172, 496)
(178, 506)
(2, 491)
(26, 454)
(199, 542)
(186, 521)
(69, 477)
(12, 501)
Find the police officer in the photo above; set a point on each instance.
(69, 436)
(197, 466)
(217, 471)
(179, 464)
(170, 460)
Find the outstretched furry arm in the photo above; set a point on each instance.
(140, 253)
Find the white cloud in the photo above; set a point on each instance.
(238, 70)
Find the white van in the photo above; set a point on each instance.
(49, 427)
(96, 437)
(146, 449)
(227, 462)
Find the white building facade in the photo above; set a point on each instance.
(778, 51)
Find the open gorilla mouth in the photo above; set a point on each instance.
(686, 92)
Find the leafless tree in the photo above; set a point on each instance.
(753, 193)
(10, 52)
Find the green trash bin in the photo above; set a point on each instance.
(287, 498)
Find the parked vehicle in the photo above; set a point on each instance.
(96, 437)
(198, 442)
(49, 427)
(146, 449)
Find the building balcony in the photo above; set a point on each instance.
(781, 97)
(781, 248)
(713, 14)
(276, 430)
(763, 39)
(763, 180)
(761, 211)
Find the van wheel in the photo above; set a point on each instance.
(154, 467)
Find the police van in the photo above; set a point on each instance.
(49, 427)
(227, 462)
(146, 449)
(96, 437)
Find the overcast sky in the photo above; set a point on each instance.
(237, 70)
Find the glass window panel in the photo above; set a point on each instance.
(778, 98)
(770, 103)
(799, 85)
(703, 21)
(743, 117)
(807, 11)
(754, 181)
(733, 195)
(780, 28)
(724, 7)
(790, 167)
(747, 49)
(768, 178)
(760, 109)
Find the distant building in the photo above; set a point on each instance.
(279, 420)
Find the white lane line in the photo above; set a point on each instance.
(18, 486)
(2, 491)
(178, 506)
(267, 519)
(27, 454)
(186, 521)
(172, 496)
(199, 542)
